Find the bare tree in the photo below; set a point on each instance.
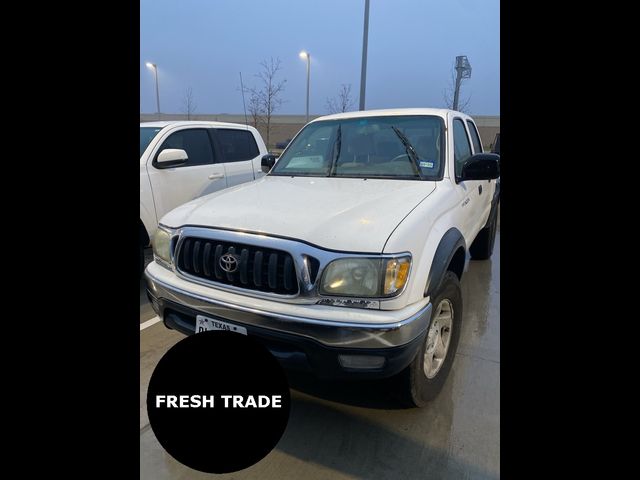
(341, 103)
(254, 108)
(449, 93)
(266, 98)
(188, 104)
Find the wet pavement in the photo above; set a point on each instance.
(358, 430)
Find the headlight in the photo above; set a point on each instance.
(162, 245)
(365, 277)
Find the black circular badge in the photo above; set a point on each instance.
(218, 401)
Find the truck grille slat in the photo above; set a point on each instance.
(196, 253)
(206, 260)
(255, 268)
(187, 255)
(273, 270)
(216, 260)
(244, 266)
(289, 273)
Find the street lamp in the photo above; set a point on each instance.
(307, 56)
(363, 66)
(155, 69)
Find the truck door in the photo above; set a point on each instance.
(199, 176)
(237, 150)
(468, 190)
(488, 186)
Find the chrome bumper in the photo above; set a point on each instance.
(329, 333)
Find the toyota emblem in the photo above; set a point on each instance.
(228, 263)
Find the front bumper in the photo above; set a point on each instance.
(300, 342)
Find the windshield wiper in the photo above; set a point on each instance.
(411, 152)
(336, 151)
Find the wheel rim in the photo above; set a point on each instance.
(438, 339)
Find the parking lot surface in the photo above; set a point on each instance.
(358, 430)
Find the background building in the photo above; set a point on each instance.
(284, 127)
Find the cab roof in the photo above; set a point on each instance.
(175, 123)
(390, 112)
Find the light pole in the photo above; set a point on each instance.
(365, 38)
(306, 55)
(155, 69)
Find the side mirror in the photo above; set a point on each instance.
(268, 161)
(171, 157)
(482, 166)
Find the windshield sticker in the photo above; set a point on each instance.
(311, 161)
(426, 164)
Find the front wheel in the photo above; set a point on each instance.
(423, 379)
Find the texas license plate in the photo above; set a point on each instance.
(204, 324)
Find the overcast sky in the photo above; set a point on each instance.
(204, 44)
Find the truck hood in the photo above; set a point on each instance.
(345, 214)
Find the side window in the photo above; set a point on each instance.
(461, 146)
(195, 142)
(237, 145)
(475, 138)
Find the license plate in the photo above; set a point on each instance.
(205, 323)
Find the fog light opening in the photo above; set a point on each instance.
(361, 361)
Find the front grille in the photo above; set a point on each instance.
(262, 269)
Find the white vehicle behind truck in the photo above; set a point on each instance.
(181, 161)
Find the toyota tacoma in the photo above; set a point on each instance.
(345, 260)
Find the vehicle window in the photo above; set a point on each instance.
(146, 135)
(237, 145)
(195, 142)
(461, 147)
(367, 147)
(475, 138)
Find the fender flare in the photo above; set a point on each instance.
(451, 241)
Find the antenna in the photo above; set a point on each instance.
(243, 104)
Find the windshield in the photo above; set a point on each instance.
(399, 147)
(146, 135)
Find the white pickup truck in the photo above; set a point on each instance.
(346, 259)
(180, 161)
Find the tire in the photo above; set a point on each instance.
(482, 246)
(417, 388)
(141, 261)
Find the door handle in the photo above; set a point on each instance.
(479, 189)
(216, 176)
